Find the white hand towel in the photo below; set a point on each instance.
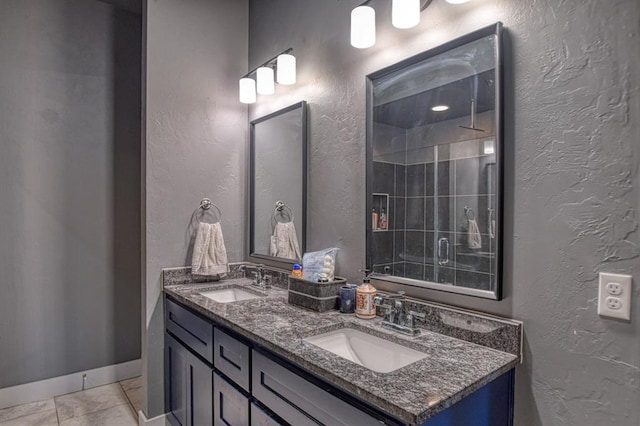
(474, 237)
(286, 241)
(209, 252)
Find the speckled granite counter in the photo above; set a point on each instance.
(452, 370)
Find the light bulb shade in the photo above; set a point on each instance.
(265, 85)
(247, 90)
(286, 66)
(363, 27)
(405, 13)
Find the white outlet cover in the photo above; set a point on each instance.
(614, 288)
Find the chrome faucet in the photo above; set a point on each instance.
(260, 279)
(396, 316)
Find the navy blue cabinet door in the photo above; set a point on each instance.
(189, 386)
(176, 361)
(200, 392)
(491, 405)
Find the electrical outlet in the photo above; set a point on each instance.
(614, 296)
(614, 303)
(614, 288)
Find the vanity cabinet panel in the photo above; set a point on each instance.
(231, 407)
(200, 391)
(189, 386)
(491, 405)
(231, 357)
(299, 401)
(260, 418)
(194, 331)
(176, 359)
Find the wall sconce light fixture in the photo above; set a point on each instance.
(285, 66)
(363, 26)
(404, 14)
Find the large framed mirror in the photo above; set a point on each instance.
(278, 182)
(434, 168)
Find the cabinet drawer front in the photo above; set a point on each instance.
(260, 418)
(192, 330)
(231, 408)
(231, 357)
(299, 401)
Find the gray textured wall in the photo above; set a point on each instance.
(69, 188)
(572, 178)
(196, 145)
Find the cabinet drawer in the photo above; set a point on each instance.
(231, 408)
(231, 357)
(260, 418)
(191, 329)
(299, 401)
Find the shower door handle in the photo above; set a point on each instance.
(443, 251)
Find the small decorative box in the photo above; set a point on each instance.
(320, 297)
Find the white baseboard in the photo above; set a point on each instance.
(44, 389)
(160, 420)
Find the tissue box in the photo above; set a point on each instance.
(319, 297)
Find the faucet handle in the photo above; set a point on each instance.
(398, 295)
(420, 315)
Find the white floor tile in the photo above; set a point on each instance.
(135, 397)
(26, 409)
(133, 383)
(45, 418)
(115, 416)
(89, 401)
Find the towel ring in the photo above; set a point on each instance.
(205, 206)
(281, 210)
(468, 212)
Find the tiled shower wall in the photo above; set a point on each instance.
(409, 247)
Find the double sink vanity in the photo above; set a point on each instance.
(237, 354)
(240, 354)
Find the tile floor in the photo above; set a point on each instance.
(116, 404)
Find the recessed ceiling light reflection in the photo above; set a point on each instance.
(439, 108)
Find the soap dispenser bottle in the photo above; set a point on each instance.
(365, 294)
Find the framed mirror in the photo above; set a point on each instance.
(278, 200)
(434, 168)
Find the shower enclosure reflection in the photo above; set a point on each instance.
(434, 152)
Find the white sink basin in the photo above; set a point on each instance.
(367, 350)
(227, 295)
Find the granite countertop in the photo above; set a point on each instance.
(452, 370)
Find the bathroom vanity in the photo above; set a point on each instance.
(257, 361)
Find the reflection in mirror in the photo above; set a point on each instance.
(278, 184)
(434, 161)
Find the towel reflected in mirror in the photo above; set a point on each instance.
(284, 241)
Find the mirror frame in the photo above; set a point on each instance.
(252, 185)
(390, 280)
